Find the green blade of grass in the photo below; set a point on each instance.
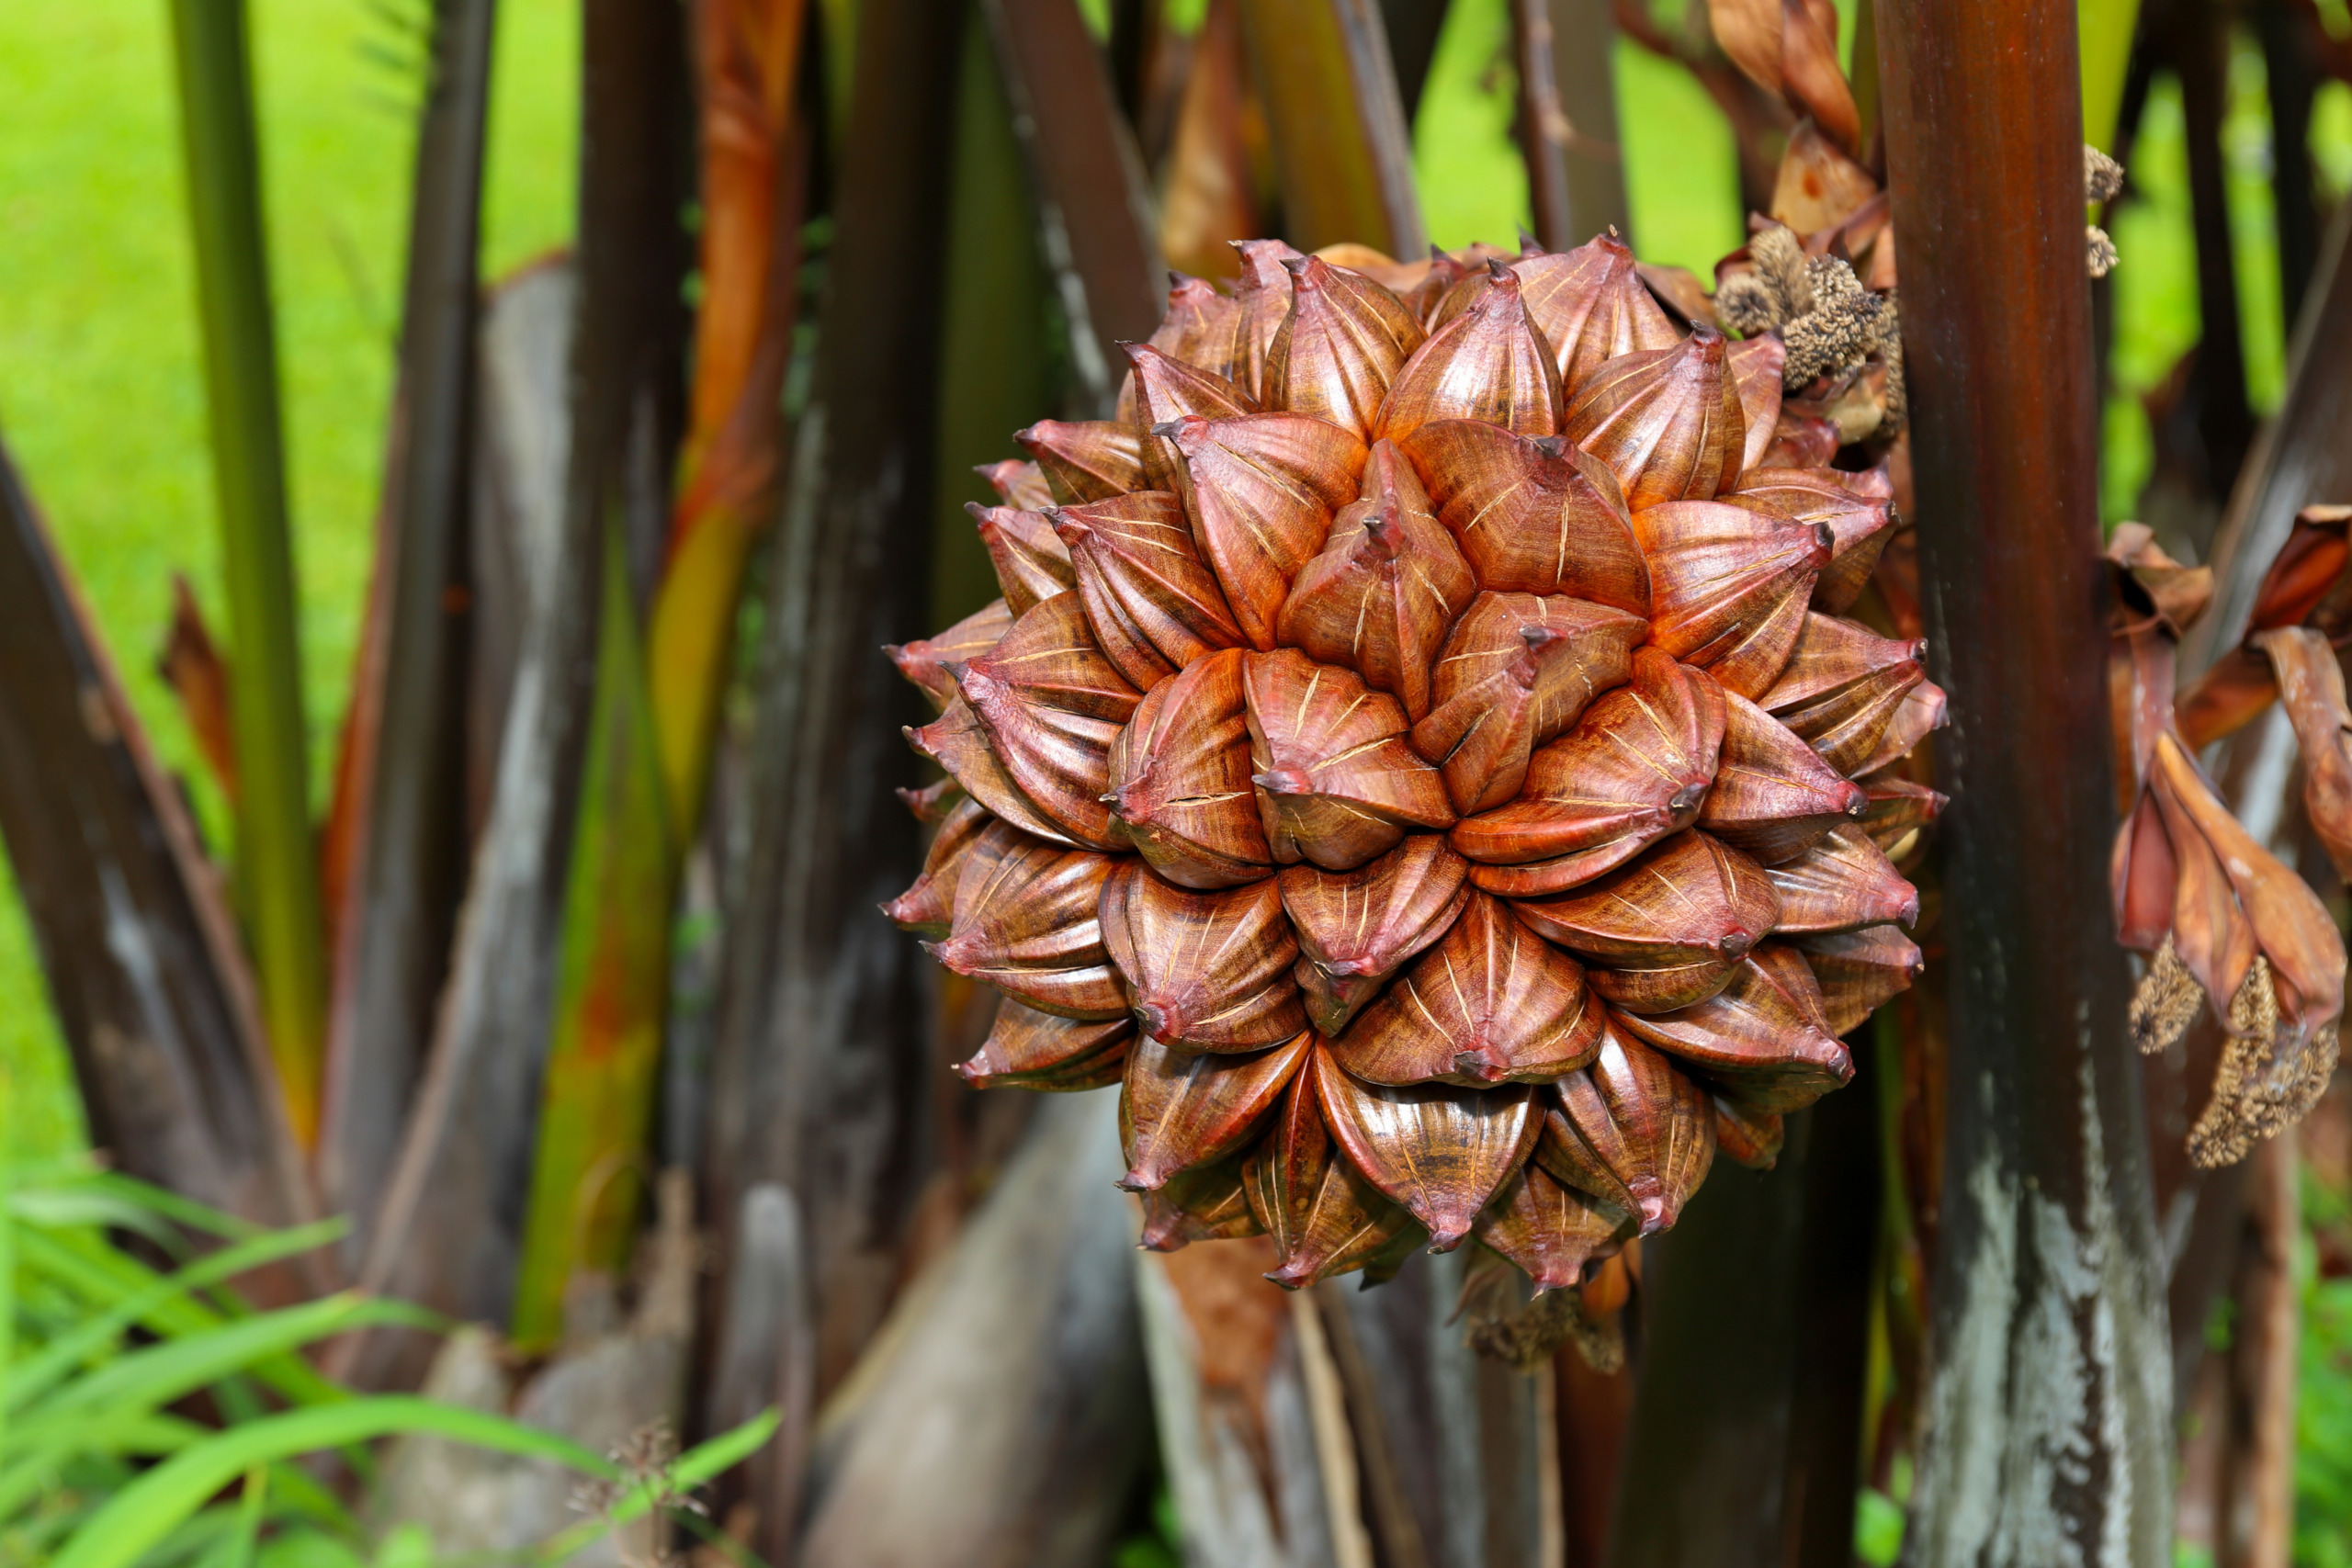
(277, 863)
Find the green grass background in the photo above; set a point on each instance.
(100, 394)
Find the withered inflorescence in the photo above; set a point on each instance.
(1421, 756)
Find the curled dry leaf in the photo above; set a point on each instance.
(928, 908)
(1751, 1137)
(1389, 581)
(957, 742)
(1030, 563)
(1667, 423)
(1774, 797)
(2311, 684)
(1634, 769)
(1811, 77)
(1342, 344)
(1324, 1216)
(1858, 509)
(1729, 587)
(2152, 584)
(1516, 670)
(1207, 971)
(1261, 489)
(1550, 1230)
(1765, 1035)
(1650, 1125)
(1531, 515)
(1183, 1110)
(1842, 688)
(1819, 187)
(1490, 1003)
(1859, 969)
(1842, 884)
(932, 664)
(1026, 922)
(1337, 782)
(1670, 928)
(1152, 601)
(1357, 928)
(1441, 1152)
(1749, 32)
(1590, 306)
(1179, 779)
(1262, 301)
(1085, 461)
(1490, 363)
(1028, 1049)
(1206, 1204)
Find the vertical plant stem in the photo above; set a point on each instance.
(2046, 1435)
(1584, 40)
(278, 867)
(1342, 146)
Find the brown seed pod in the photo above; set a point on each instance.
(1168, 389)
(1752, 1137)
(1764, 1035)
(1051, 705)
(1195, 330)
(1324, 1216)
(1425, 298)
(1516, 672)
(1441, 1152)
(1028, 1049)
(1756, 367)
(1858, 509)
(1018, 484)
(1357, 928)
(1262, 301)
(1729, 587)
(1670, 928)
(1030, 563)
(1206, 1203)
(1667, 422)
(1899, 810)
(1920, 715)
(1337, 782)
(1207, 971)
(1086, 460)
(1180, 779)
(1533, 515)
(1261, 489)
(1859, 969)
(933, 801)
(1774, 797)
(1489, 363)
(928, 908)
(1488, 1004)
(1591, 306)
(957, 742)
(1026, 922)
(1153, 602)
(932, 662)
(1647, 1123)
(1564, 1152)
(1182, 1109)
(1343, 341)
(1842, 687)
(1551, 1231)
(1387, 584)
(1842, 884)
(1635, 767)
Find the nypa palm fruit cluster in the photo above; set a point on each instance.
(1421, 758)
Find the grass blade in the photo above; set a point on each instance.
(278, 866)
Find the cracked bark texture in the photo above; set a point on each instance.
(2045, 1440)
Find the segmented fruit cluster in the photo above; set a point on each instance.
(1419, 757)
